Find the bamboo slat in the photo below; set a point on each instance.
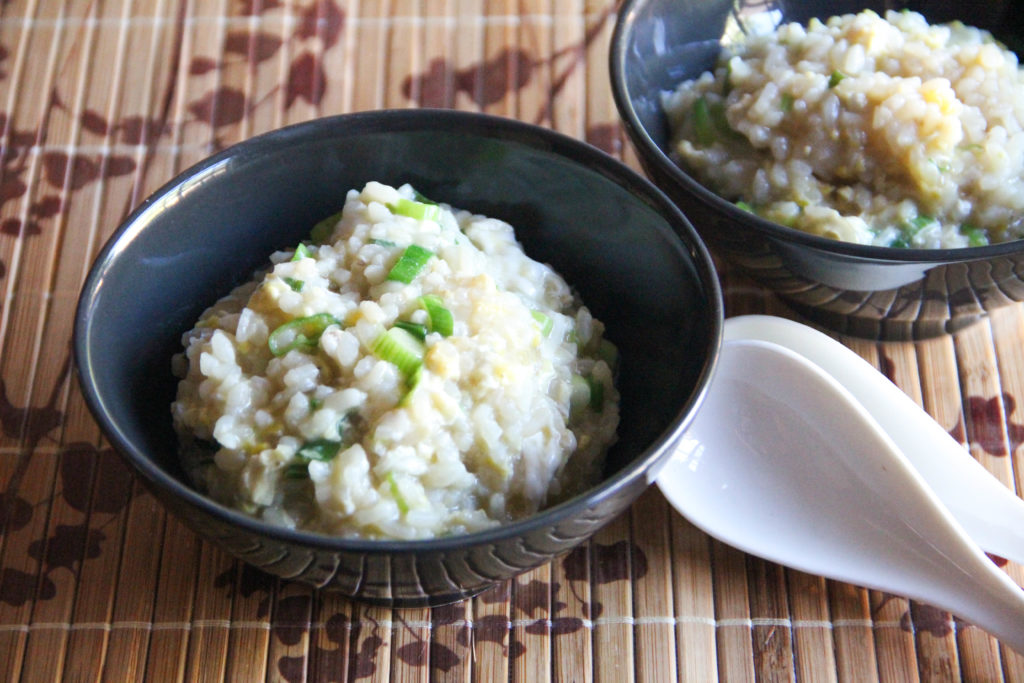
(614, 564)
(693, 596)
(653, 622)
(103, 101)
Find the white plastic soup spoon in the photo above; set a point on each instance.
(776, 466)
(991, 513)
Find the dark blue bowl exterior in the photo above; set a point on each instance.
(872, 292)
(628, 250)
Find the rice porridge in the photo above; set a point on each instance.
(407, 373)
(885, 131)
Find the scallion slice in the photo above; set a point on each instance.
(976, 237)
(383, 243)
(721, 122)
(421, 211)
(835, 78)
(412, 380)
(786, 103)
(545, 322)
(579, 397)
(441, 320)
(301, 252)
(415, 329)
(322, 230)
(423, 199)
(319, 449)
(401, 348)
(608, 352)
(909, 230)
(403, 505)
(919, 222)
(301, 333)
(297, 470)
(596, 387)
(702, 125)
(410, 263)
(296, 285)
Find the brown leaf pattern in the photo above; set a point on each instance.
(306, 80)
(541, 607)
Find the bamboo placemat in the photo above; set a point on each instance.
(101, 101)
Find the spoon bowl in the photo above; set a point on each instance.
(777, 467)
(992, 513)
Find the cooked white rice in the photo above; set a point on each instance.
(511, 409)
(878, 131)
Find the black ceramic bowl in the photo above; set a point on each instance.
(873, 292)
(631, 254)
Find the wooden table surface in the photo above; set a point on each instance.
(101, 101)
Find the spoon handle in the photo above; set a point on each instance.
(987, 598)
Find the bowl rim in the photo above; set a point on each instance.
(502, 128)
(622, 34)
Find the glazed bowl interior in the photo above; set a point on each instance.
(658, 44)
(627, 250)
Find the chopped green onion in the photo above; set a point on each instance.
(423, 199)
(743, 206)
(580, 394)
(410, 263)
(401, 348)
(415, 329)
(910, 229)
(324, 229)
(786, 104)
(297, 470)
(315, 403)
(702, 126)
(403, 506)
(301, 333)
(608, 352)
(586, 392)
(441, 320)
(727, 81)
(412, 380)
(383, 243)
(919, 222)
(721, 122)
(596, 402)
(418, 210)
(320, 449)
(301, 252)
(296, 285)
(976, 237)
(545, 322)
(835, 78)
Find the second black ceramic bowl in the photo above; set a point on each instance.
(867, 291)
(634, 258)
